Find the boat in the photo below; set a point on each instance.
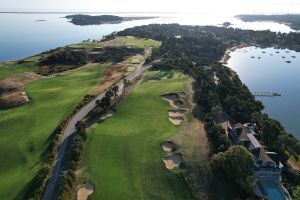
(283, 56)
(288, 61)
(277, 94)
(252, 56)
(259, 57)
(293, 56)
(263, 52)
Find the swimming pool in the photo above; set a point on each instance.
(271, 190)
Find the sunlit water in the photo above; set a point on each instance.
(21, 36)
(271, 73)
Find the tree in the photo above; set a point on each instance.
(80, 125)
(235, 165)
(126, 83)
(109, 93)
(115, 90)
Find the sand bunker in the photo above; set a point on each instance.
(13, 99)
(176, 113)
(12, 92)
(168, 146)
(173, 160)
(171, 96)
(176, 120)
(86, 190)
(175, 99)
(176, 116)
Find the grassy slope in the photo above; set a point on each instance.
(120, 41)
(28, 127)
(7, 69)
(123, 155)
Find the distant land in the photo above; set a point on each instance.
(291, 20)
(83, 20)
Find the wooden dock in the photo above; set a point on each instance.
(266, 94)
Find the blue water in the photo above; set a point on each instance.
(21, 36)
(272, 190)
(271, 73)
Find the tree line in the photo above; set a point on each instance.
(196, 50)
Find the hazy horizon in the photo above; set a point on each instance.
(217, 7)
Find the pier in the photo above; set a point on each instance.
(266, 94)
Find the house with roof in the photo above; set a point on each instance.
(267, 166)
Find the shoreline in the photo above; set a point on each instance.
(227, 56)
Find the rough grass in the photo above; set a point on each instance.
(123, 155)
(24, 130)
(120, 41)
(131, 69)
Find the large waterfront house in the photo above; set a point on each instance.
(267, 166)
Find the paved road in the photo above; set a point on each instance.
(53, 183)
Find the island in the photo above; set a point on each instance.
(40, 20)
(84, 20)
(291, 20)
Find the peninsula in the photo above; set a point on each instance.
(291, 20)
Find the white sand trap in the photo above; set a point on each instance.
(174, 99)
(176, 120)
(175, 104)
(168, 146)
(173, 160)
(170, 96)
(86, 190)
(176, 113)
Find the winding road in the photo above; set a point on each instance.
(58, 169)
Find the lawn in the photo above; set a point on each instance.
(33, 58)
(24, 130)
(123, 155)
(120, 41)
(7, 69)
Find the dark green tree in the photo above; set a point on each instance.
(235, 166)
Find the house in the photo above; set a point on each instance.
(267, 166)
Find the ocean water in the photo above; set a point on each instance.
(271, 73)
(22, 35)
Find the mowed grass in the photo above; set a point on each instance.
(120, 41)
(8, 69)
(123, 155)
(24, 130)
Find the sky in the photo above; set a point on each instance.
(185, 6)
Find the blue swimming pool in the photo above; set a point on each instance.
(270, 189)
